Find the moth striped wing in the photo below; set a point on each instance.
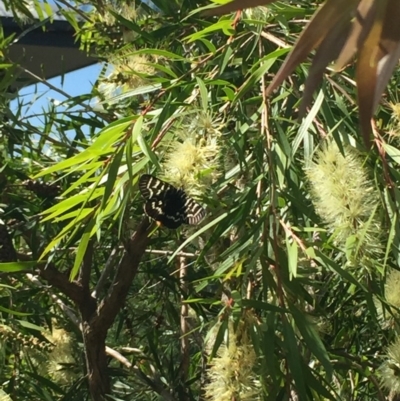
(169, 206)
(151, 186)
(194, 212)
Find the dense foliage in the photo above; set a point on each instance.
(287, 290)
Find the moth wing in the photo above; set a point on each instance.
(151, 186)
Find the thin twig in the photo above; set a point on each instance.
(185, 356)
(66, 309)
(60, 91)
(150, 251)
(275, 40)
(75, 9)
(105, 274)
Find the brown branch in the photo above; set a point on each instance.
(105, 274)
(96, 362)
(126, 272)
(97, 321)
(71, 289)
(153, 382)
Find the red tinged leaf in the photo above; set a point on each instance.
(323, 21)
(366, 73)
(339, 29)
(360, 27)
(327, 52)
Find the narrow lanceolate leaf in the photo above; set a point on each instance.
(13, 312)
(323, 21)
(312, 339)
(111, 176)
(366, 73)
(236, 5)
(82, 248)
(293, 358)
(11, 267)
(293, 255)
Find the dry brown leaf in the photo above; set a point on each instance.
(360, 28)
(374, 33)
(327, 51)
(389, 47)
(316, 30)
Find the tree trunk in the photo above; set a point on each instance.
(96, 363)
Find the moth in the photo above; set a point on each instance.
(169, 206)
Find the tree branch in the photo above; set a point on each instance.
(71, 289)
(126, 272)
(105, 274)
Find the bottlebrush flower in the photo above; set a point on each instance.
(191, 160)
(346, 200)
(231, 375)
(390, 369)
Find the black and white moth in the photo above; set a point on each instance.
(167, 205)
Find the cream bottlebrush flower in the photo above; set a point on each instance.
(126, 8)
(395, 111)
(257, 13)
(191, 162)
(390, 369)
(62, 353)
(231, 375)
(4, 396)
(345, 198)
(392, 289)
(394, 126)
(129, 72)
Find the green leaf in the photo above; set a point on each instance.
(131, 25)
(393, 152)
(195, 235)
(29, 325)
(224, 25)
(203, 94)
(80, 254)
(11, 267)
(147, 150)
(13, 312)
(220, 337)
(292, 251)
(111, 176)
(266, 63)
(293, 358)
(312, 339)
(101, 146)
